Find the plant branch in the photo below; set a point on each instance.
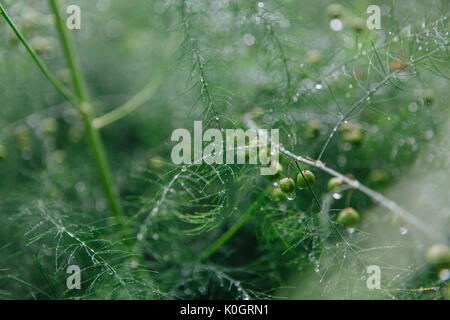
(69, 52)
(376, 196)
(368, 95)
(130, 106)
(58, 85)
(93, 135)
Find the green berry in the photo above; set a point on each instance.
(438, 256)
(156, 163)
(334, 183)
(287, 185)
(313, 129)
(378, 176)
(58, 156)
(335, 10)
(353, 133)
(64, 75)
(309, 177)
(348, 217)
(276, 193)
(50, 126)
(75, 133)
(22, 137)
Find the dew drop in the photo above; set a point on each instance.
(336, 25)
(337, 195)
(290, 196)
(403, 231)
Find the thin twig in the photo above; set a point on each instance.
(94, 138)
(376, 196)
(368, 95)
(44, 69)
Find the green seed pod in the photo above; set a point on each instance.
(335, 10)
(22, 137)
(313, 129)
(58, 156)
(378, 176)
(63, 75)
(348, 217)
(438, 256)
(309, 177)
(334, 183)
(276, 193)
(353, 133)
(287, 185)
(156, 163)
(50, 126)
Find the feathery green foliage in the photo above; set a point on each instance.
(87, 179)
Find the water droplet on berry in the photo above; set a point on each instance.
(337, 196)
(290, 196)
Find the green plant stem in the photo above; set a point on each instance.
(58, 85)
(69, 52)
(93, 135)
(132, 105)
(230, 232)
(101, 160)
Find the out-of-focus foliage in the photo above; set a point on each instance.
(278, 63)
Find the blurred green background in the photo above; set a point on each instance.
(278, 63)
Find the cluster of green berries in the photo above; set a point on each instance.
(348, 217)
(353, 133)
(304, 179)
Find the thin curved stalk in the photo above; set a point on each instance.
(358, 103)
(51, 78)
(94, 138)
(132, 105)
